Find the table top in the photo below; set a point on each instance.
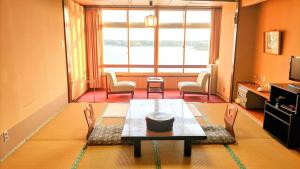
(253, 87)
(155, 79)
(185, 125)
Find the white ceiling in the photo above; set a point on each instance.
(155, 2)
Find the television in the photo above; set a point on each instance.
(294, 74)
(295, 69)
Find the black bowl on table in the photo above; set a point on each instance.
(159, 121)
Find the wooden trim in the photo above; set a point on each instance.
(156, 65)
(119, 7)
(153, 66)
(161, 25)
(128, 41)
(151, 74)
(185, 25)
(115, 24)
(68, 50)
(236, 26)
(156, 42)
(184, 39)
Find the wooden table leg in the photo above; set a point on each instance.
(187, 147)
(147, 90)
(162, 86)
(137, 148)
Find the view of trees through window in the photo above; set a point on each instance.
(183, 39)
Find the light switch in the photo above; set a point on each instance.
(62, 44)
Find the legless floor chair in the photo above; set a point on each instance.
(229, 118)
(101, 135)
(218, 134)
(201, 86)
(113, 86)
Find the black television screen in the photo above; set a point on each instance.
(295, 69)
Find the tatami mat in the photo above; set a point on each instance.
(266, 153)
(70, 124)
(57, 145)
(117, 157)
(43, 155)
(244, 126)
(203, 156)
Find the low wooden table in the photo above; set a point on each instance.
(185, 126)
(151, 89)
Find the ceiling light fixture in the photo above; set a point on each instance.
(150, 20)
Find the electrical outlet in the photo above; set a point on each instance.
(5, 136)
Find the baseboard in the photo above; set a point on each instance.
(19, 133)
(223, 97)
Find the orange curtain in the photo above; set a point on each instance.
(216, 16)
(92, 44)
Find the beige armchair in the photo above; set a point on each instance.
(115, 87)
(201, 86)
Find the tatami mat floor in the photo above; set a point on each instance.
(58, 145)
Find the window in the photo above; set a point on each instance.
(171, 39)
(141, 41)
(115, 39)
(115, 46)
(181, 39)
(197, 39)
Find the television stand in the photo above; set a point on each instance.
(294, 86)
(282, 116)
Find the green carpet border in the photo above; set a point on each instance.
(83, 149)
(79, 157)
(156, 154)
(234, 157)
(229, 150)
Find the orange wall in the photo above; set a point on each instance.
(281, 15)
(225, 66)
(32, 58)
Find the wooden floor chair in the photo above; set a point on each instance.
(217, 134)
(90, 118)
(229, 118)
(101, 135)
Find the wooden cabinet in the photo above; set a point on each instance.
(251, 2)
(249, 97)
(282, 119)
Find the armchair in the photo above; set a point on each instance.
(113, 86)
(201, 86)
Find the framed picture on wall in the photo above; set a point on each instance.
(272, 42)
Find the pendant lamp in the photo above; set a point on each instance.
(150, 20)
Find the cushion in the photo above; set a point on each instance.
(189, 87)
(216, 135)
(111, 135)
(106, 135)
(123, 86)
